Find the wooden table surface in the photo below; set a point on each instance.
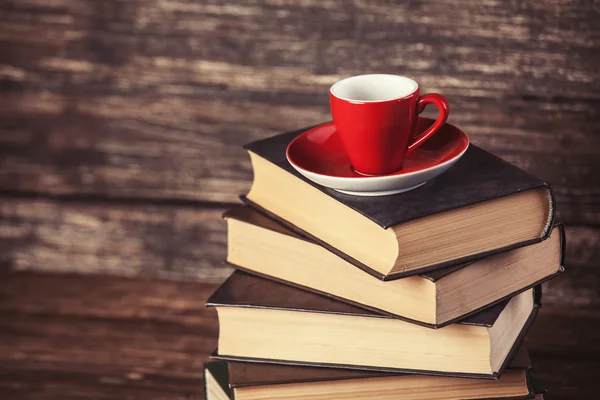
(101, 337)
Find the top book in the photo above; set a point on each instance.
(481, 206)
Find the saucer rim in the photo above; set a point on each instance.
(380, 177)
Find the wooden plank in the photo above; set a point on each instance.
(566, 380)
(538, 46)
(579, 286)
(561, 346)
(153, 101)
(101, 337)
(130, 239)
(184, 242)
(565, 340)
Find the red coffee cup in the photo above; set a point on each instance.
(376, 115)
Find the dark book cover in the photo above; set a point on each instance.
(427, 271)
(219, 371)
(243, 213)
(243, 374)
(477, 177)
(272, 374)
(536, 386)
(245, 290)
(252, 216)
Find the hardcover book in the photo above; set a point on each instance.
(216, 382)
(246, 381)
(265, 321)
(481, 206)
(262, 246)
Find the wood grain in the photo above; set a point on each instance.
(153, 101)
(564, 353)
(67, 337)
(457, 43)
(184, 242)
(99, 337)
(165, 241)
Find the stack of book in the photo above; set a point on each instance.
(421, 295)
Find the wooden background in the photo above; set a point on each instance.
(121, 124)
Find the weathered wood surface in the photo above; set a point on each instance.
(189, 243)
(68, 337)
(152, 99)
(564, 349)
(92, 337)
(161, 241)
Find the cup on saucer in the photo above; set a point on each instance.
(376, 118)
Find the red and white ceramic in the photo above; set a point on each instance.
(376, 116)
(319, 155)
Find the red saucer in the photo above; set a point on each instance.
(320, 151)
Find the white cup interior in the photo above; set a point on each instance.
(374, 87)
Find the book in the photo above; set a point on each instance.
(262, 320)
(216, 381)
(262, 246)
(481, 206)
(251, 381)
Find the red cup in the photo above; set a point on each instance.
(376, 115)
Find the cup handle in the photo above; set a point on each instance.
(441, 102)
